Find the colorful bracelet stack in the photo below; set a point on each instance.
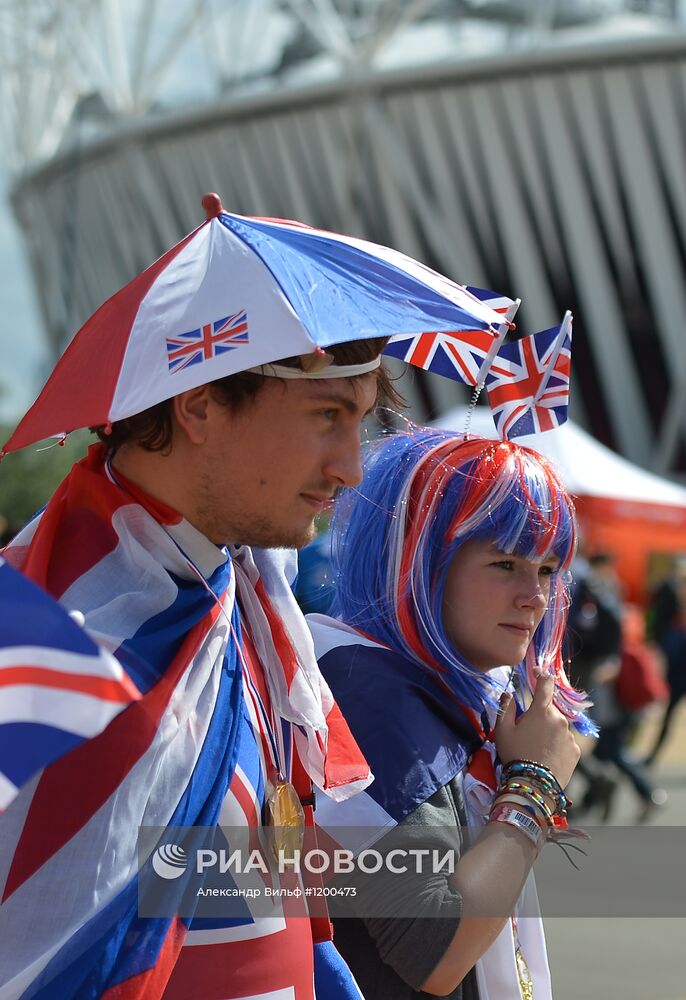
(530, 798)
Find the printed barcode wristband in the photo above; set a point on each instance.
(518, 819)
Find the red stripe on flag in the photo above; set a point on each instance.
(247, 968)
(107, 689)
(459, 361)
(153, 982)
(72, 789)
(421, 351)
(282, 643)
(545, 418)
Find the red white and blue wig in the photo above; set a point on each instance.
(425, 493)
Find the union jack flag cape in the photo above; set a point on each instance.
(528, 385)
(69, 870)
(58, 688)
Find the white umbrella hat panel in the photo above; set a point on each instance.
(236, 293)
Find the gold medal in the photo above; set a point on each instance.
(526, 983)
(286, 819)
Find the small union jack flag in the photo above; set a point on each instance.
(529, 392)
(500, 303)
(456, 354)
(507, 308)
(207, 342)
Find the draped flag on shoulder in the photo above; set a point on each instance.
(169, 760)
(460, 354)
(528, 386)
(58, 688)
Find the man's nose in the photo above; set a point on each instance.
(344, 465)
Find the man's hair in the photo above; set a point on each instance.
(152, 429)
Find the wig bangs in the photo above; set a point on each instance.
(523, 508)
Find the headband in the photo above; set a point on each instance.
(330, 371)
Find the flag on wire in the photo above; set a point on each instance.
(456, 354)
(58, 687)
(529, 391)
(507, 308)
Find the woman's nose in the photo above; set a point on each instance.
(531, 594)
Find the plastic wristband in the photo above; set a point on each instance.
(520, 820)
(523, 804)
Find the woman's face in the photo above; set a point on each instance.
(494, 602)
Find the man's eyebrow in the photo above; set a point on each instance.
(338, 399)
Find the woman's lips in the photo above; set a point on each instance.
(516, 629)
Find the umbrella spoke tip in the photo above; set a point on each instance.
(212, 204)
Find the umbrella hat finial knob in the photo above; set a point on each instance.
(212, 204)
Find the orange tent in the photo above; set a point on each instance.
(636, 515)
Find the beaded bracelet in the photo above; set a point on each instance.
(533, 793)
(532, 769)
(543, 787)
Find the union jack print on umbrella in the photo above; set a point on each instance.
(57, 687)
(529, 392)
(461, 354)
(299, 289)
(207, 342)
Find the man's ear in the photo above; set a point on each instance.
(191, 411)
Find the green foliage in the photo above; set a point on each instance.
(29, 477)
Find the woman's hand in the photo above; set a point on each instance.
(541, 733)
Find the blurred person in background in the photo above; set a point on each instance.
(593, 640)
(610, 662)
(667, 625)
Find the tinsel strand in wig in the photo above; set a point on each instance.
(426, 493)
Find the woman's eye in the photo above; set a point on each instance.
(328, 414)
(504, 564)
(548, 570)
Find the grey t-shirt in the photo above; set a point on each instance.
(391, 955)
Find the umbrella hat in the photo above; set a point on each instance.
(236, 293)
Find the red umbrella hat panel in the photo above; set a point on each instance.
(236, 293)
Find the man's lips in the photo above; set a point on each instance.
(318, 502)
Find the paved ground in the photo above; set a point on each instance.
(632, 958)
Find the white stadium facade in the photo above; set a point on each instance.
(537, 148)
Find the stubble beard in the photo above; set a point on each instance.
(238, 527)
(263, 534)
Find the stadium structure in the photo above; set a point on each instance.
(536, 147)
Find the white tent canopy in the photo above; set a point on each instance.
(587, 467)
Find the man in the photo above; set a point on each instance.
(149, 538)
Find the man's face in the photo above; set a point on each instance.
(270, 468)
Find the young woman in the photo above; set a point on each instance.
(451, 596)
